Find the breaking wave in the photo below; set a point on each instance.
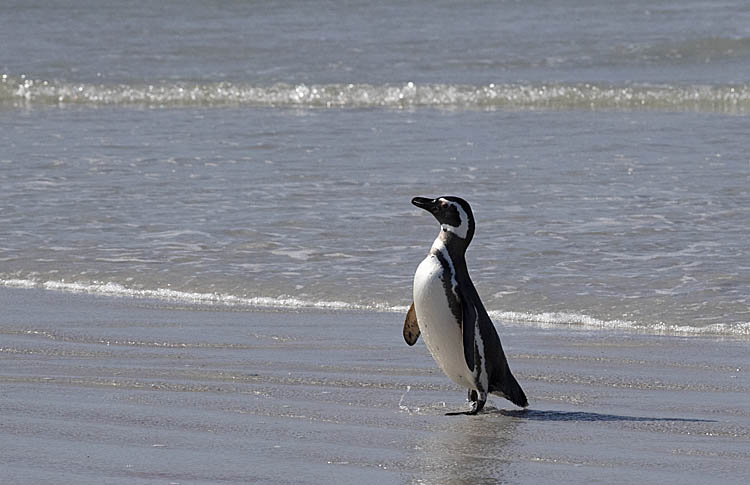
(187, 297)
(735, 99)
(540, 320)
(555, 319)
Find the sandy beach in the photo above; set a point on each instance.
(117, 390)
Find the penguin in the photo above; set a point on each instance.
(450, 316)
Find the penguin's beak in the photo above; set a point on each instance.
(424, 203)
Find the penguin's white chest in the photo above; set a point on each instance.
(440, 330)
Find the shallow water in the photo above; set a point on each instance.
(192, 152)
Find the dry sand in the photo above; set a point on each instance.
(105, 390)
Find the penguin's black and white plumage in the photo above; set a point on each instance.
(449, 314)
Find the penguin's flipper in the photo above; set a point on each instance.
(411, 328)
(468, 326)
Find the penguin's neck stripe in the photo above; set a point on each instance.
(439, 247)
(462, 230)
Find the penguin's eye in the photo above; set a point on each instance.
(443, 205)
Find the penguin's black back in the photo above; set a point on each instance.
(500, 379)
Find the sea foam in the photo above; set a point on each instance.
(286, 302)
(187, 297)
(710, 98)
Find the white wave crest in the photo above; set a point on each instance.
(718, 98)
(166, 294)
(552, 319)
(540, 320)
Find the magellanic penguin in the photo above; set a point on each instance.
(449, 314)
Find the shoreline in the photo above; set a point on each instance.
(222, 301)
(137, 390)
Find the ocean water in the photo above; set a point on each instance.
(265, 153)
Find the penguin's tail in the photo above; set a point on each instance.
(511, 390)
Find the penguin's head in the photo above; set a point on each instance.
(453, 213)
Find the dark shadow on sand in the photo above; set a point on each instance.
(539, 415)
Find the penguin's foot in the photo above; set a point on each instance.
(477, 400)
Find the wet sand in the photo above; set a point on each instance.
(108, 390)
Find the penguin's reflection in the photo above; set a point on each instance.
(467, 449)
